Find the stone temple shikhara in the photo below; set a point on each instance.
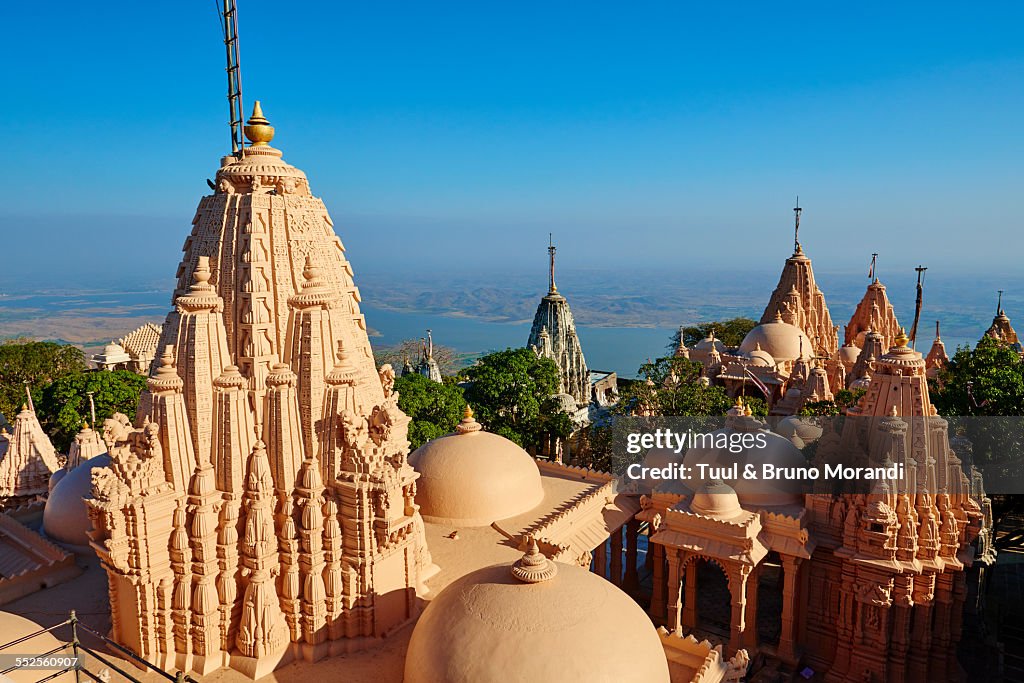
(264, 498)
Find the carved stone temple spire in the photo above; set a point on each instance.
(262, 631)
(263, 503)
(811, 312)
(202, 352)
(1001, 329)
(562, 345)
(428, 366)
(937, 357)
(873, 313)
(170, 415)
(27, 459)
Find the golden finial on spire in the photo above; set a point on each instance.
(748, 411)
(901, 339)
(257, 129)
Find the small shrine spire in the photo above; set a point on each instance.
(552, 289)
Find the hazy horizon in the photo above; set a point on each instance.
(659, 137)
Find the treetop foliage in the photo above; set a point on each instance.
(434, 409)
(730, 332)
(511, 393)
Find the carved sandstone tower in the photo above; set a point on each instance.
(263, 507)
(890, 570)
(799, 301)
(554, 335)
(874, 313)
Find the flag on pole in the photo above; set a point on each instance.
(759, 384)
(871, 269)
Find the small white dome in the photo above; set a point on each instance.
(798, 428)
(113, 349)
(708, 343)
(848, 354)
(761, 358)
(66, 517)
(718, 500)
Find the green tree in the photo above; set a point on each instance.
(64, 404)
(986, 380)
(730, 332)
(512, 392)
(434, 409)
(38, 364)
(594, 448)
(671, 387)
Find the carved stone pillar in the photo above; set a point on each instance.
(790, 604)
(942, 645)
(750, 611)
(738, 588)
(601, 560)
(656, 553)
(631, 581)
(921, 631)
(616, 564)
(690, 606)
(674, 603)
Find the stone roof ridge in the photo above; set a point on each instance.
(585, 472)
(37, 542)
(574, 505)
(740, 521)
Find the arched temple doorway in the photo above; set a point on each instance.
(712, 611)
(770, 584)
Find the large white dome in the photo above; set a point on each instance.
(562, 623)
(474, 478)
(782, 341)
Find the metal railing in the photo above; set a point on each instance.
(79, 650)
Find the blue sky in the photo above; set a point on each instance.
(650, 134)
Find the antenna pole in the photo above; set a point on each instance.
(551, 265)
(917, 307)
(796, 228)
(229, 15)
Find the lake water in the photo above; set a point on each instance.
(619, 349)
